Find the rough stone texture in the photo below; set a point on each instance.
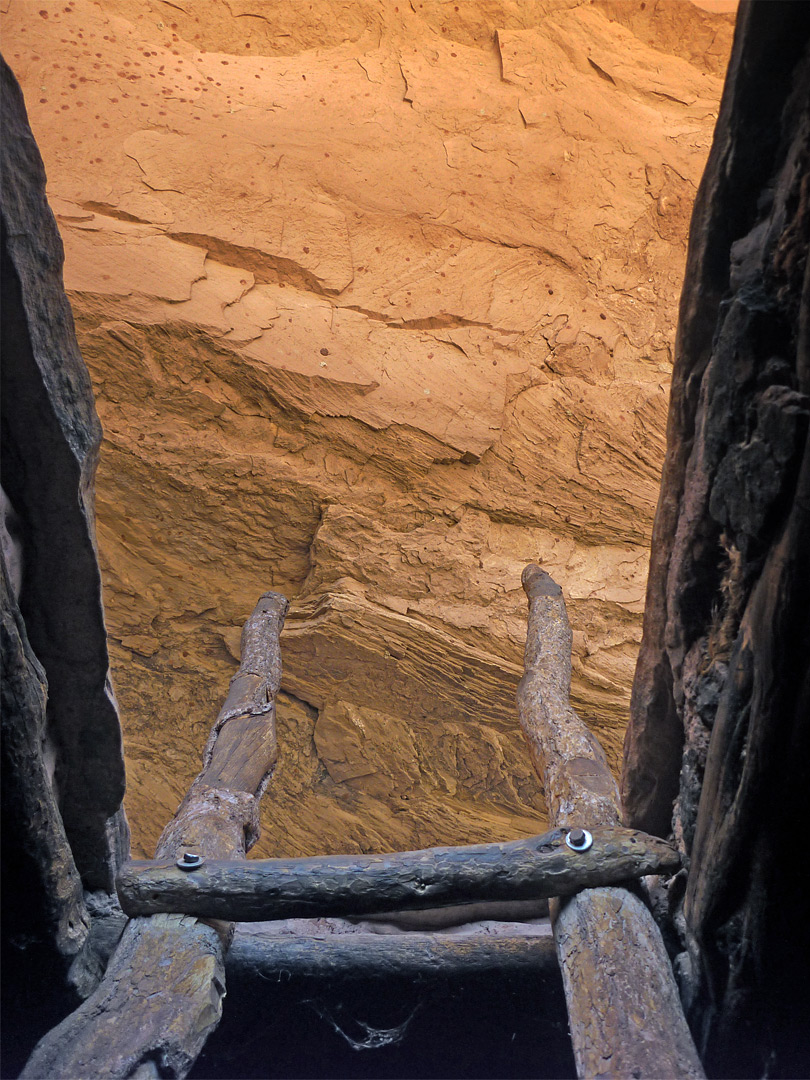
(722, 694)
(50, 440)
(42, 899)
(62, 760)
(378, 302)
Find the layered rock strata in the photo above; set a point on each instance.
(378, 308)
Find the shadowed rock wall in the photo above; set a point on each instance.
(720, 724)
(62, 762)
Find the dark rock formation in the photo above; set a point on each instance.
(62, 765)
(720, 725)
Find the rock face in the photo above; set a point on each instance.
(62, 763)
(721, 699)
(378, 309)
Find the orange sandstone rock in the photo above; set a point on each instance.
(378, 300)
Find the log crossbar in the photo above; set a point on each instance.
(425, 957)
(351, 885)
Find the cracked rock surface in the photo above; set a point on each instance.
(378, 302)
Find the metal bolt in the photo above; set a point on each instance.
(579, 839)
(190, 861)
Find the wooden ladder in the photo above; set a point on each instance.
(161, 995)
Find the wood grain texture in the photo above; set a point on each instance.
(624, 1011)
(489, 936)
(384, 956)
(340, 885)
(579, 785)
(219, 815)
(161, 995)
(623, 1005)
(435, 919)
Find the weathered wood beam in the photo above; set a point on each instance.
(359, 956)
(161, 995)
(340, 885)
(503, 935)
(624, 1010)
(429, 919)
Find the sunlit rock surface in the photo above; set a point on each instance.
(378, 301)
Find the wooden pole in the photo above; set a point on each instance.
(624, 1011)
(412, 955)
(161, 995)
(341, 885)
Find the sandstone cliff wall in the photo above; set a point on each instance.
(378, 302)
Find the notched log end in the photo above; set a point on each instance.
(650, 854)
(272, 603)
(215, 822)
(260, 634)
(536, 582)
